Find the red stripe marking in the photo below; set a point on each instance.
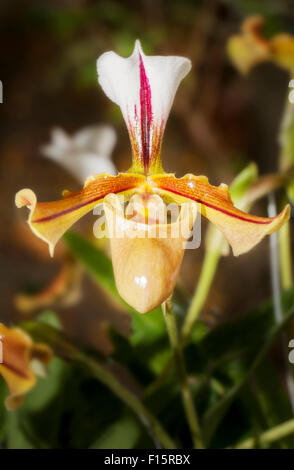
(78, 206)
(224, 211)
(15, 370)
(146, 114)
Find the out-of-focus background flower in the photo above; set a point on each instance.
(220, 121)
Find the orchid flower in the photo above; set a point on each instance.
(252, 47)
(88, 150)
(146, 269)
(21, 361)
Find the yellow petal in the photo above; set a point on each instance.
(249, 48)
(49, 220)
(17, 351)
(245, 190)
(146, 257)
(282, 46)
(243, 54)
(243, 231)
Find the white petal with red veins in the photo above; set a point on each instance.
(144, 87)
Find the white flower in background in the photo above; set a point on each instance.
(85, 153)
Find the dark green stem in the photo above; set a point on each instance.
(187, 398)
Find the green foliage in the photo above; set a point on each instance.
(68, 408)
(214, 415)
(243, 181)
(234, 381)
(71, 409)
(122, 434)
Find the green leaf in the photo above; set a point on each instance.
(17, 436)
(96, 262)
(290, 191)
(95, 417)
(215, 414)
(236, 338)
(29, 426)
(87, 407)
(122, 434)
(273, 398)
(50, 318)
(47, 387)
(243, 181)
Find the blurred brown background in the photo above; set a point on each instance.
(219, 122)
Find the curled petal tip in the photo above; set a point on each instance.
(250, 239)
(242, 230)
(25, 197)
(281, 218)
(50, 220)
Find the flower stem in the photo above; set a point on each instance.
(271, 435)
(285, 256)
(187, 398)
(276, 289)
(148, 419)
(286, 141)
(209, 266)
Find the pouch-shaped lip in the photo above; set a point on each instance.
(146, 258)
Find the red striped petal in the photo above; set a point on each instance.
(49, 220)
(243, 231)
